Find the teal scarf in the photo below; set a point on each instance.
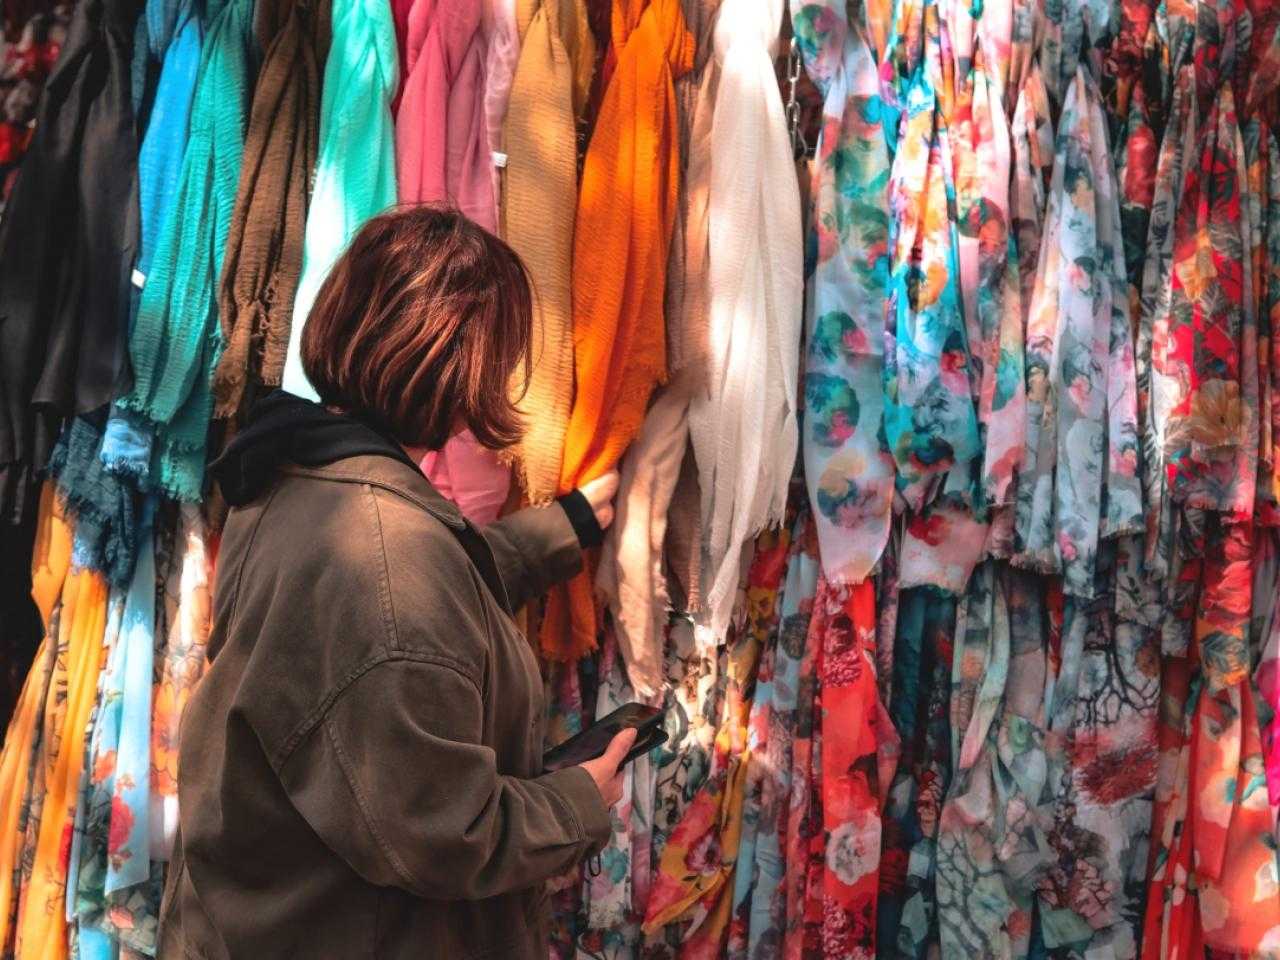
(175, 341)
(356, 168)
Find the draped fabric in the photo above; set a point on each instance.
(442, 155)
(95, 478)
(631, 579)
(176, 34)
(355, 174)
(184, 578)
(776, 722)
(850, 476)
(931, 370)
(67, 243)
(992, 842)
(49, 566)
(81, 623)
(501, 55)
(687, 290)
(690, 885)
(743, 427)
(1081, 458)
(263, 258)
(548, 94)
(110, 857)
(175, 340)
(626, 207)
(105, 508)
(657, 534)
(442, 146)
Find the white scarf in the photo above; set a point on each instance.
(743, 427)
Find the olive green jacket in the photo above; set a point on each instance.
(361, 765)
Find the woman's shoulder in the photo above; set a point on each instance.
(363, 573)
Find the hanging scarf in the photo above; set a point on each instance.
(695, 875)
(264, 246)
(775, 729)
(932, 371)
(105, 509)
(66, 245)
(626, 207)
(850, 475)
(175, 340)
(50, 563)
(548, 93)
(1080, 477)
(96, 477)
(184, 566)
(1211, 437)
(631, 578)
(992, 849)
(82, 625)
(355, 175)
(614, 899)
(1156, 378)
(687, 289)
(442, 156)
(127, 440)
(665, 500)
(442, 152)
(743, 423)
(112, 852)
(503, 52)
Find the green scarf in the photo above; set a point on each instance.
(176, 340)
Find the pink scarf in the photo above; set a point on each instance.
(442, 148)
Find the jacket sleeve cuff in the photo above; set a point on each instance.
(576, 788)
(582, 518)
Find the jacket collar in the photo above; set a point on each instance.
(392, 475)
(287, 433)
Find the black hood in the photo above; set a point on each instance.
(284, 429)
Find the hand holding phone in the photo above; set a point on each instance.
(592, 742)
(606, 769)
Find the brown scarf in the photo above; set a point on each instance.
(264, 245)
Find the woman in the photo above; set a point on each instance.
(361, 766)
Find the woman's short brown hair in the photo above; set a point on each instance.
(420, 325)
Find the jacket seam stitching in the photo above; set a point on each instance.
(248, 553)
(370, 822)
(385, 600)
(341, 477)
(579, 828)
(317, 715)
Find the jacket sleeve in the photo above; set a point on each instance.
(394, 780)
(535, 549)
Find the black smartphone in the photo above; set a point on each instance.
(593, 741)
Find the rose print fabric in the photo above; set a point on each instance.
(760, 911)
(694, 879)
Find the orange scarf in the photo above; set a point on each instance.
(626, 210)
